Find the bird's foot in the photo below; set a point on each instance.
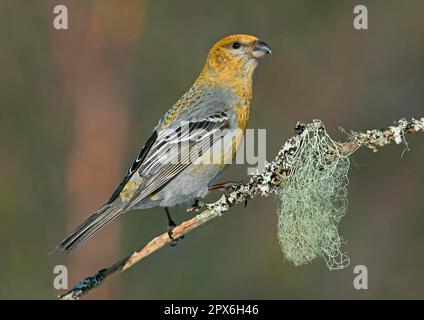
(174, 241)
(196, 206)
(170, 228)
(169, 231)
(225, 186)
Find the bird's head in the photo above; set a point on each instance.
(235, 57)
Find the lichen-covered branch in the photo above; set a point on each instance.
(261, 184)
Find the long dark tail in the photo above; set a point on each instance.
(89, 227)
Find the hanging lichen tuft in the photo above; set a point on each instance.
(313, 200)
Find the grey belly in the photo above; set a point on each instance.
(190, 184)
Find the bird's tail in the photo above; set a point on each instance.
(90, 226)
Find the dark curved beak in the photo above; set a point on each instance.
(260, 49)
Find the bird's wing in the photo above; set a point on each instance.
(134, 166)
(162, 158)
(177, 147)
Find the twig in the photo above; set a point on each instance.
(261, 184)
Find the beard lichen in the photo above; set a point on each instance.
(313, 200)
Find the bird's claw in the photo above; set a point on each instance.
(226, 186)
(196, 206)
(169, 230)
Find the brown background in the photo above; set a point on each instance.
(77, 105)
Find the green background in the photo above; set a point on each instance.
(76, 105)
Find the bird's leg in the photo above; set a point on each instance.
(226, 186)
(196, 206)
(171, 226)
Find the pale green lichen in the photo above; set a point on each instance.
(313, 200)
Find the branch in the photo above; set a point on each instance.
(261, 184)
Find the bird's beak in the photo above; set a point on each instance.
(260, 49)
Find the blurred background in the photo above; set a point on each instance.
(76, 106)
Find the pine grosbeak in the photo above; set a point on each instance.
(214, 109)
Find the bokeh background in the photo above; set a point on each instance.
(77, 105)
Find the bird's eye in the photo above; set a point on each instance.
(236, 45)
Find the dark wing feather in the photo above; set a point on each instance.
(167, 159)
(135, 165)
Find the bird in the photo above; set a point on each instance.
(174, 167)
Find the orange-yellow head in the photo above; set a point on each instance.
(234, 59)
